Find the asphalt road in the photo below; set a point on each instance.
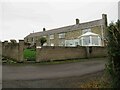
(33, 72)
(51, 76)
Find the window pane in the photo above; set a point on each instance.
(95, 40)
(62, 35)
(51, 36)
(86, 40)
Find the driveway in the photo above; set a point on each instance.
(41, 72)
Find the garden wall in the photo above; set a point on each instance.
(98, 52)
(0, 51)
(13, 50)
(48, 53)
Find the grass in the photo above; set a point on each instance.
(53, 62)
(30, 54)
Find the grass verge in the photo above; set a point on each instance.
(10, 61)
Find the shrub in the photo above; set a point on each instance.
(113, 67)
(30, 54)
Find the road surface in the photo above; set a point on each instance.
(39, 73)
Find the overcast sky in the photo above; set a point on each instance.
(21, 18)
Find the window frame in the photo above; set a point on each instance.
(61, 35)
(52, 36)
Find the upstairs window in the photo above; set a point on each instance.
(86, 30)
(62, 35)
(51, 36)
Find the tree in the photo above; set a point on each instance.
(114, 53)
(43, 40)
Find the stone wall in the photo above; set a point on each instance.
(62, 53)
(13, 50)
(47, 53)
(0, 51)
(98, 52)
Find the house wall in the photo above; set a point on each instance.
(69, 35)
(97, 26)
(73, 34)
(63, 53)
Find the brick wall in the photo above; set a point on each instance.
(63, 53)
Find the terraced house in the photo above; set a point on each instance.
(92, 33)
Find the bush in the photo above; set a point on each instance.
(113, 66)
(30, 54)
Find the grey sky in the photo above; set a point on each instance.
(21, 18)
(119, 10)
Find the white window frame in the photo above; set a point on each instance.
(45, 44)
(52, 44)
(91, 41)
(61, 35)
(72, 43)
(51, 36)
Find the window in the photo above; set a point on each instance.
(52, 44)
(95, 40)
(69, 42)
(72, 43)
(86, 41)
(45, 44)
(51, 36)
(76, 43)
(86, 30)
(62, 35)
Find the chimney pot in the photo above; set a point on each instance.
(44, 29)
(77, 21)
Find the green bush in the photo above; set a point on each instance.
(30, 54)
(113, 66)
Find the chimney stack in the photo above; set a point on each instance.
(77, 21)
(104, 17)
(44, 29)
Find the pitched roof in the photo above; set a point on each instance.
(68, 28)
(89, 34)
